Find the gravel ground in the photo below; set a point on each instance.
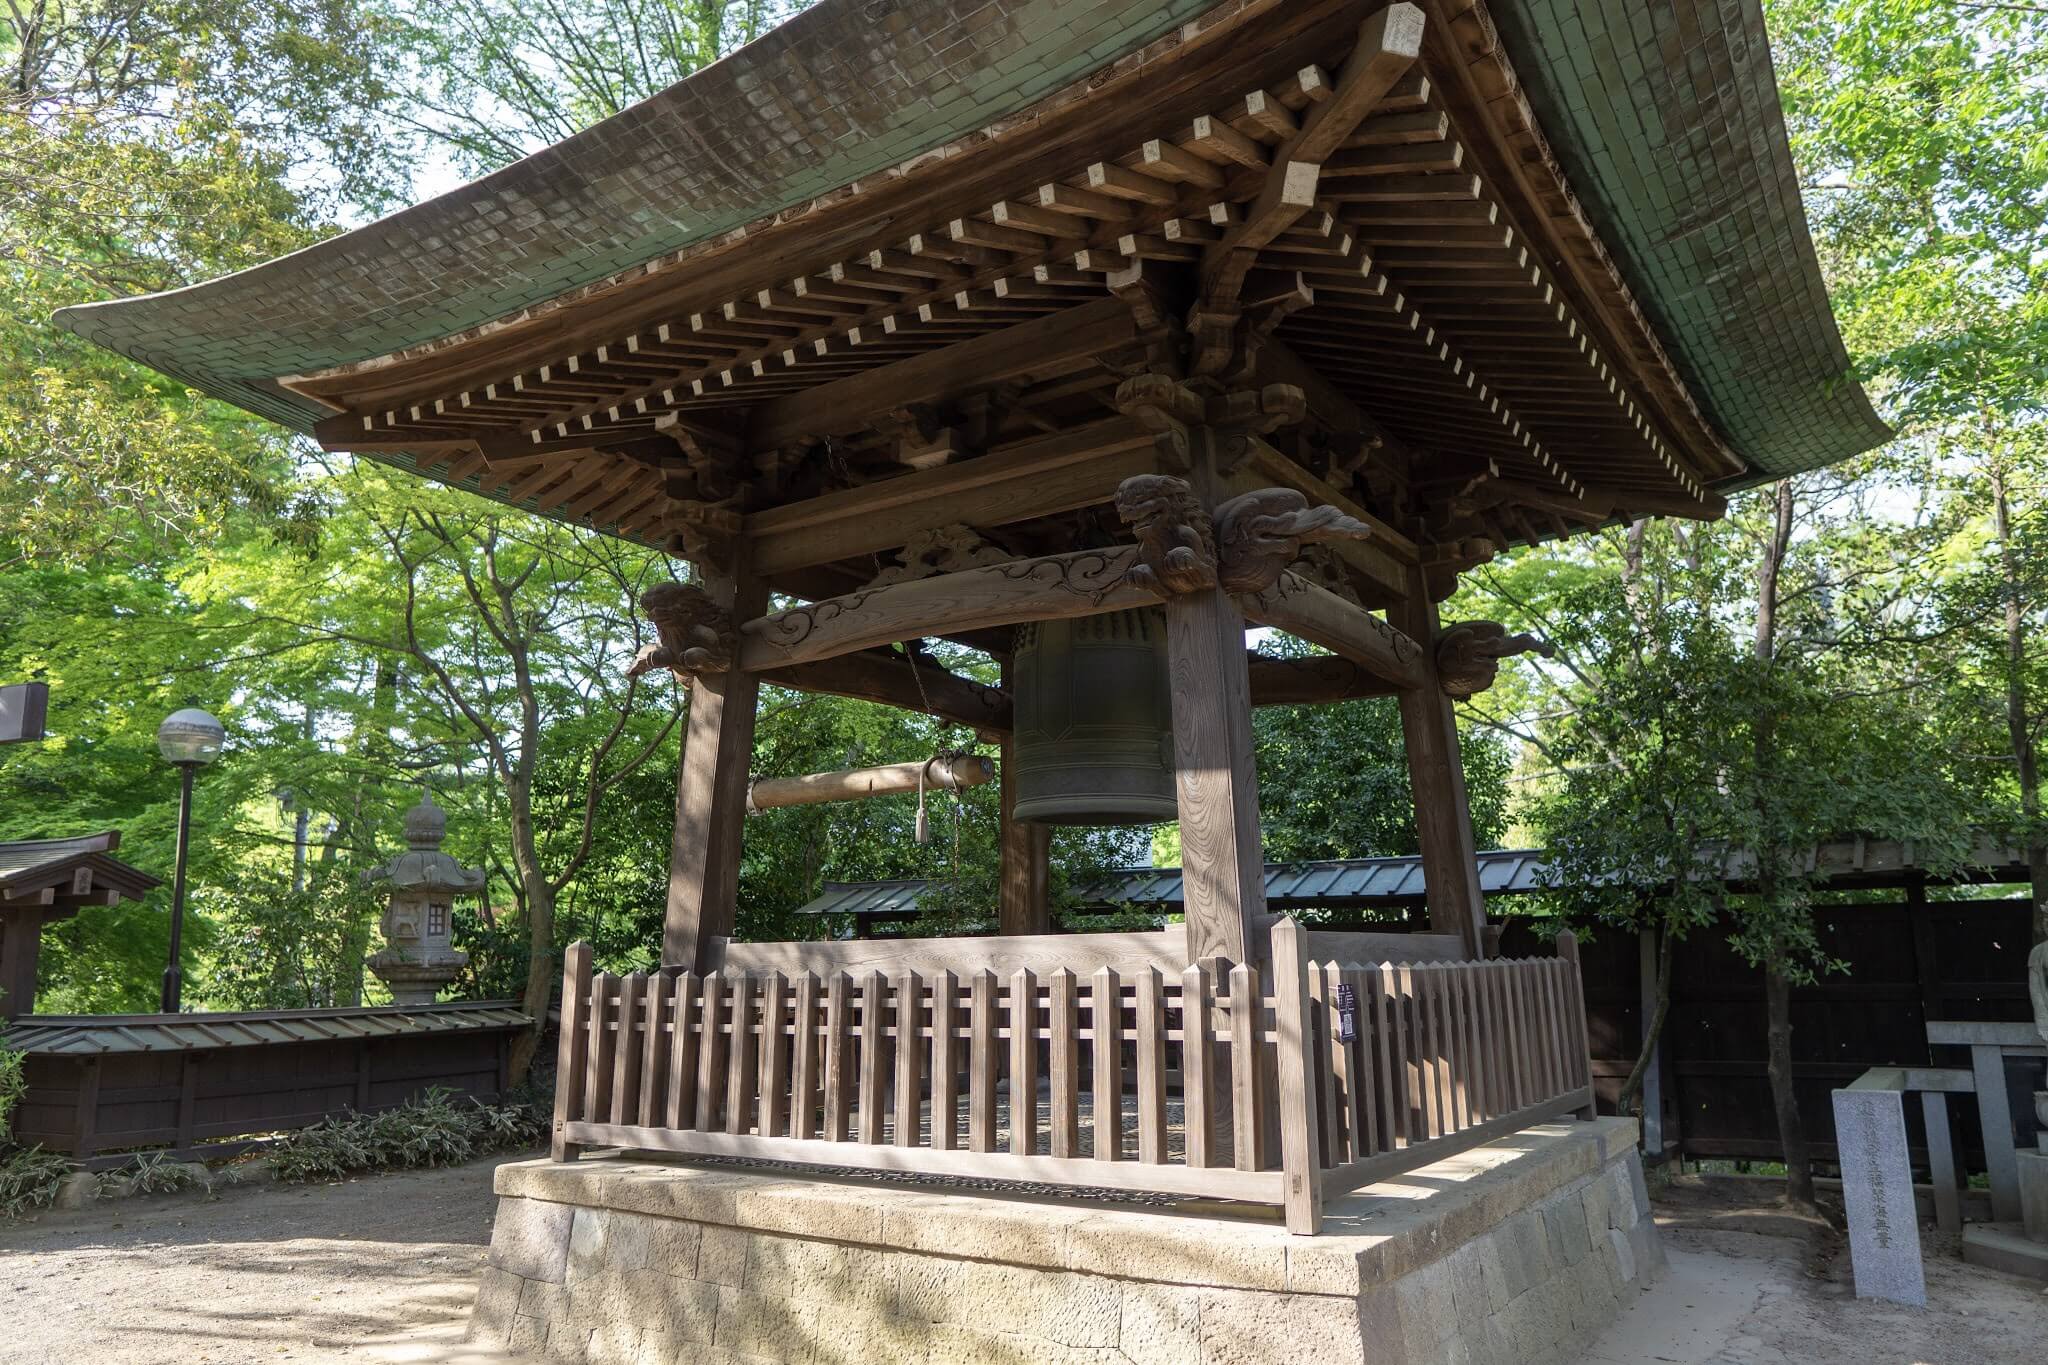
(342, 1272)
(383, 1269)
(1751, 1284)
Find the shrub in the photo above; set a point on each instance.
(28, 1179)
(12, 1083)
(149, 1173)
(434, 1129)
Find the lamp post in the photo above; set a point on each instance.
(189, 739)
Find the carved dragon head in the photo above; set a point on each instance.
(694, 634)
(1174, 537)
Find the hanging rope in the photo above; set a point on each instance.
(835, 460)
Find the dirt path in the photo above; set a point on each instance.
(1755, 1286)
(383, 1269)
(365, 1270)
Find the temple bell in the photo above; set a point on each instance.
(1093, 737)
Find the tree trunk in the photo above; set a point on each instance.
(1777, 986)
(2019, 721)
(1791, 1128)
(1653, 1028)
(540, 929)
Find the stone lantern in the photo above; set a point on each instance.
(417, 960)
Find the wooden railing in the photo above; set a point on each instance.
(1207, 1082)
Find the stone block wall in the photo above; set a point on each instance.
(1508, 1255)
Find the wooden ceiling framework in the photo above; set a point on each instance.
(1472, 378)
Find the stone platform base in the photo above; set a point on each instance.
(2004, 1246)
(1513, 1252)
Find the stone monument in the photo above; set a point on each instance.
(1877, 1192)
(417, 959)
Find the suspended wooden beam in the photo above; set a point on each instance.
(1319, 616)
(1051, 587)
(881, 676)
(945, 772)
(1311, 680)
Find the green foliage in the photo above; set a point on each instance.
(498, 80)
(273, 947)
(1333, 782)
(1687, 752)
(149, 1173)
(434, 1129)
(28, 1179)
(1921, 128)
(13, 1084)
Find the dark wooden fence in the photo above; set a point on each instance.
(1910, 960)
(1209, 1081)
(206, 1085)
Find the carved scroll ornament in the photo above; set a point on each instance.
(1176, 546)
(693, 633)
(1258, 534)
(1468, 655)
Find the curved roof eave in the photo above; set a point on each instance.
(1663, 116)
(1666, 120)
(821, 101)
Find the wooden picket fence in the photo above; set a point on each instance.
(1209, 1082)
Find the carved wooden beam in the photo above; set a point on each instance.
(872, 675)
(1031, 479)
(1053, 587)
(1317, 615)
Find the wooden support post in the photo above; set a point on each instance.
(1223, 868)
(1026, 907)
(1579, 1063)
(1443, 815)
(1653, 1074)
(87, 1123)
(21, 939)
(188, 1106)
(711, 794)
(1300, 1120)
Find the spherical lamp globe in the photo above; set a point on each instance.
(190, 736)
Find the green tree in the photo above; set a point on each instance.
(145, 144)
(1921, 130)
(496, 81)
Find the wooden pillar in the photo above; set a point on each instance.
(21, 941)
(1026, 906)
(711, 793)
(1436, 772)
(1223, 870)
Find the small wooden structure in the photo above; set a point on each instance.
(211, 1085)
(1274, 313)
(46, 880)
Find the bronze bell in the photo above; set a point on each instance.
(1093, 743)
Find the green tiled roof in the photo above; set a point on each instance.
(831, 96)
(1663, 113)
